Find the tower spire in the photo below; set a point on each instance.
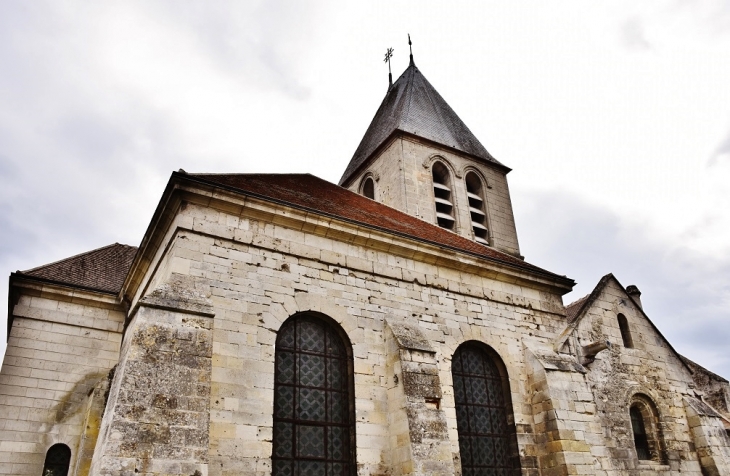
(388, 55)
(410, 47)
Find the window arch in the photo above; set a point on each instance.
(477, 208)
(623, 325)
(443, 196)
(484, 419)
(58, 459)
(645, 429)
(314, 431)
(368, 188)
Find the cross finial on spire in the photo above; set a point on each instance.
(410, 47)
(388, 55)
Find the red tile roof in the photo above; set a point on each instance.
(573, 309)
(103, 269)
(312, 193)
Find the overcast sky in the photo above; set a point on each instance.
(615, 117)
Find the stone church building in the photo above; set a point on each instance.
(388, 325)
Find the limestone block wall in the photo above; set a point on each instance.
(710, 437)
(156, 421)
(405, 166)
(261, 273)
(62, 344)
(387, 173)
(650, 369)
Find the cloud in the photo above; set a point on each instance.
(722, 151)
(686, 294)
(633, 35)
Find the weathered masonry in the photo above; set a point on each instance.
(285, 325)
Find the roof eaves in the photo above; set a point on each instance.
(347, 179)
(561, 279)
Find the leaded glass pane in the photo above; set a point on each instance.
(283, 441)
(313, 421)
(312, 468)
(481, 414)
(311, 370)
(311, 337)
(285, 367)
(311, 405)
(284, 402)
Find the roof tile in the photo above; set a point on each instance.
(103, 269)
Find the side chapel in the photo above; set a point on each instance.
(284, 325)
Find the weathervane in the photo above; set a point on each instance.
(410, 47)
(388, 55)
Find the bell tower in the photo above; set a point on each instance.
(419, 157)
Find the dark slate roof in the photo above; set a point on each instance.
(413, 106)
(103, 269)
(305, 191)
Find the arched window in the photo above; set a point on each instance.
(645, 428)
(623, 325)
(314, 431)
(443, 196)
(368, 188)
(477, 209)
(58, 459)
(484, 420)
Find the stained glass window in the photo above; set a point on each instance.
(58, 459)
(313, 409)
(487, 441)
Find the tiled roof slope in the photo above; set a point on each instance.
(312, 193)
(103, 269)
(573, 309)
(412, 105)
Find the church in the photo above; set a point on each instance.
(388, 325)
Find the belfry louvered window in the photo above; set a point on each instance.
(477, 209)
(58, 459)
(443, 196)
(487, 441)
(313, 405)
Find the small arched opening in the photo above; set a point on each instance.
(645, 429)
(623, 325)
(58, 459)
(368, 188)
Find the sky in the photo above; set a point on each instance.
(614, 116)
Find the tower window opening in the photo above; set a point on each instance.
(475, 194)
(443, 196)
(368, 188)
(623, 325)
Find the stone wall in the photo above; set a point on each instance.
(158, 411)
(650, 370)
(62, 344)
(260, 274)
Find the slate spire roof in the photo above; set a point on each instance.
(414, 107)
